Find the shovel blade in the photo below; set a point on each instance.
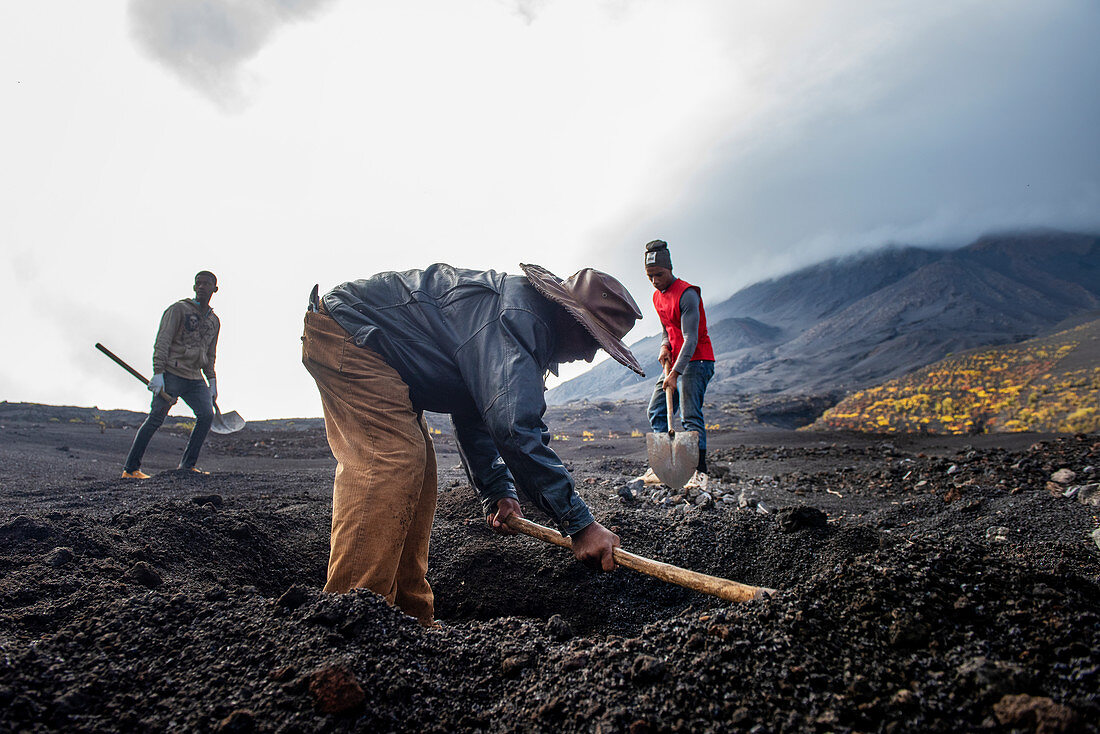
(227, 422)
(673, 459)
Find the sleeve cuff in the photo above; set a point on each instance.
(576, 520)
(489, 499)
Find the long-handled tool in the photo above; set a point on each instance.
(722, 588)
(673, 456)
(229, 423)
(171, 400)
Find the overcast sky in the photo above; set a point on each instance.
(282, 144)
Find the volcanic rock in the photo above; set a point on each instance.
(991, 678)
(559, 629)
(897, 614)
(513, 665)
(646, 669)
(1039, 713)
(1063, 476)
(1089, 494)
(142, 573)
(793, 519)
(294, 597)
(59, 557)
(335, 689)
(240, 721)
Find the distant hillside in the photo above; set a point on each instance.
(1049, 384)
(797, 301)
(731, 338)
(852, 322)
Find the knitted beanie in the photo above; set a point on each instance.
(656, 253)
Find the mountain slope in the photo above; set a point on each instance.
(799, 300)
(731, 339)
(1046, 384)
(844, 324)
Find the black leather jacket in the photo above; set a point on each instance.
(476, 345)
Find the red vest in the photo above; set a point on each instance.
(668, 308)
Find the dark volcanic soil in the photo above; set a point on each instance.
(926, 584)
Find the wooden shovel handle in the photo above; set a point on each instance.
(722, 588)
(669, 390)
(141, 378)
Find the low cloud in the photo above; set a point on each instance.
(527, 9)
(206, 42)
(932, 135)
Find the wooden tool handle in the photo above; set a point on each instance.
(719, 587)
(525, 526)
(118, 360)
(120, 363)
(669, 389)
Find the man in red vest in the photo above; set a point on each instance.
(686, 353)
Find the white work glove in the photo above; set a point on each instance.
(213, 389)
(156, 385)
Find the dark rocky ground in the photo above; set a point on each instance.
(926, 584)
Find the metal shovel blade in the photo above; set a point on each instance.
(673, 458)
(226, 423)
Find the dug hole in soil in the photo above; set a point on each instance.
(925, 584)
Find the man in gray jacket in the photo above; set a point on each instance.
(473, 344)
(183, 353)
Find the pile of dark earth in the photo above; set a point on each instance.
(925, 584)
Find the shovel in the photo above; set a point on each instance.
(229, 423)
(713, 585)
(673, 457)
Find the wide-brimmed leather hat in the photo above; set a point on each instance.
(599, 302)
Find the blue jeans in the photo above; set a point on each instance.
(688, 400)
(197, 395)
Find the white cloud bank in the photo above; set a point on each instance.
(281, 144)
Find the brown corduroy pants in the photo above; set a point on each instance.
(384, 494)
